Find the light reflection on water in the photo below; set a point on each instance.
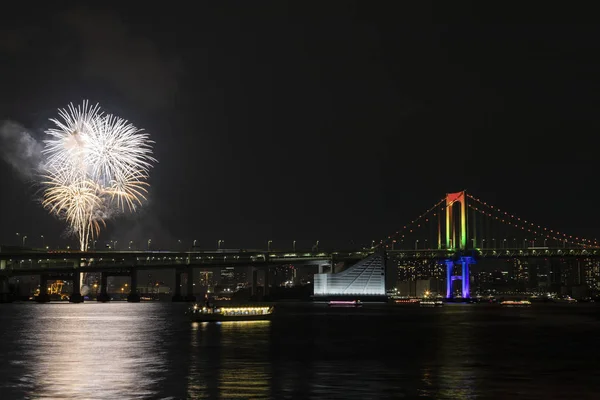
(151, 351)
(74, 355)
(222, 362)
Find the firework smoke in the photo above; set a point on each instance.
(96, 164)
(20, 149)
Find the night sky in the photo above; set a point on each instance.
(336, 123)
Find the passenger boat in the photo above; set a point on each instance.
(345, 303)
(516, 303)
(566, 299)
(230, 313)
(407, 301)
(431, 303)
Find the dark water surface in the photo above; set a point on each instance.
(150, 351)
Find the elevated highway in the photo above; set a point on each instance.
(31, 261)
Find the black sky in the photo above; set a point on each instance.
(336, 122)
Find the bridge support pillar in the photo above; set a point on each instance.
(76, 296)
(5, 295)
(190, 285)
(464, 277)
(466, 261)
(177, 296)
(103, 296)
(133, 296)
(449, 274)
(43, 297)
(267, 281)
(326, 268)
(254, 282)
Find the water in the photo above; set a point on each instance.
(150, 351)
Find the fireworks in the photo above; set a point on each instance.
(97, 164)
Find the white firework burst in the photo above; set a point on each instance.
(94, 162)
(117, 149)
(76, 201)
(129, 190)
(66, 149)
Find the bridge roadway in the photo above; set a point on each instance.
(32, 262)
(503, 253)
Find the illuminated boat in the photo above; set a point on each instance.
(230, 313)
(345, 303)
(431, 303)
(407, 301)
(516, 303)
(566, 299)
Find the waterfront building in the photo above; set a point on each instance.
(366, 278)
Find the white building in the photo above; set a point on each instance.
(366, 278)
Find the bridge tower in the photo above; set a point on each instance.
(454, 240)
(457, 240)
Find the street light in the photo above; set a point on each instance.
(130, 243)
(194, 245)
(269, 245)
(43, 241)
(18, 238)
(24, 238)
(219, 243)
(149, 243)
(294, 245)
(416, 244)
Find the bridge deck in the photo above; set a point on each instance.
(35, 262)
(504, 253)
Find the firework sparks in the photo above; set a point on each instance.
(95, 162)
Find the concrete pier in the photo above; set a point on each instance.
(133, 296)
(43, 297)
(103, 297)
(5, 295)
(190, 285)
(177, 297)
(76, 296)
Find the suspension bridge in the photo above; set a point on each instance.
(456, 231)
(460, 229)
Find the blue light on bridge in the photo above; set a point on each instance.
(464, 277)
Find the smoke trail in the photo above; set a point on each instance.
(20, 149)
